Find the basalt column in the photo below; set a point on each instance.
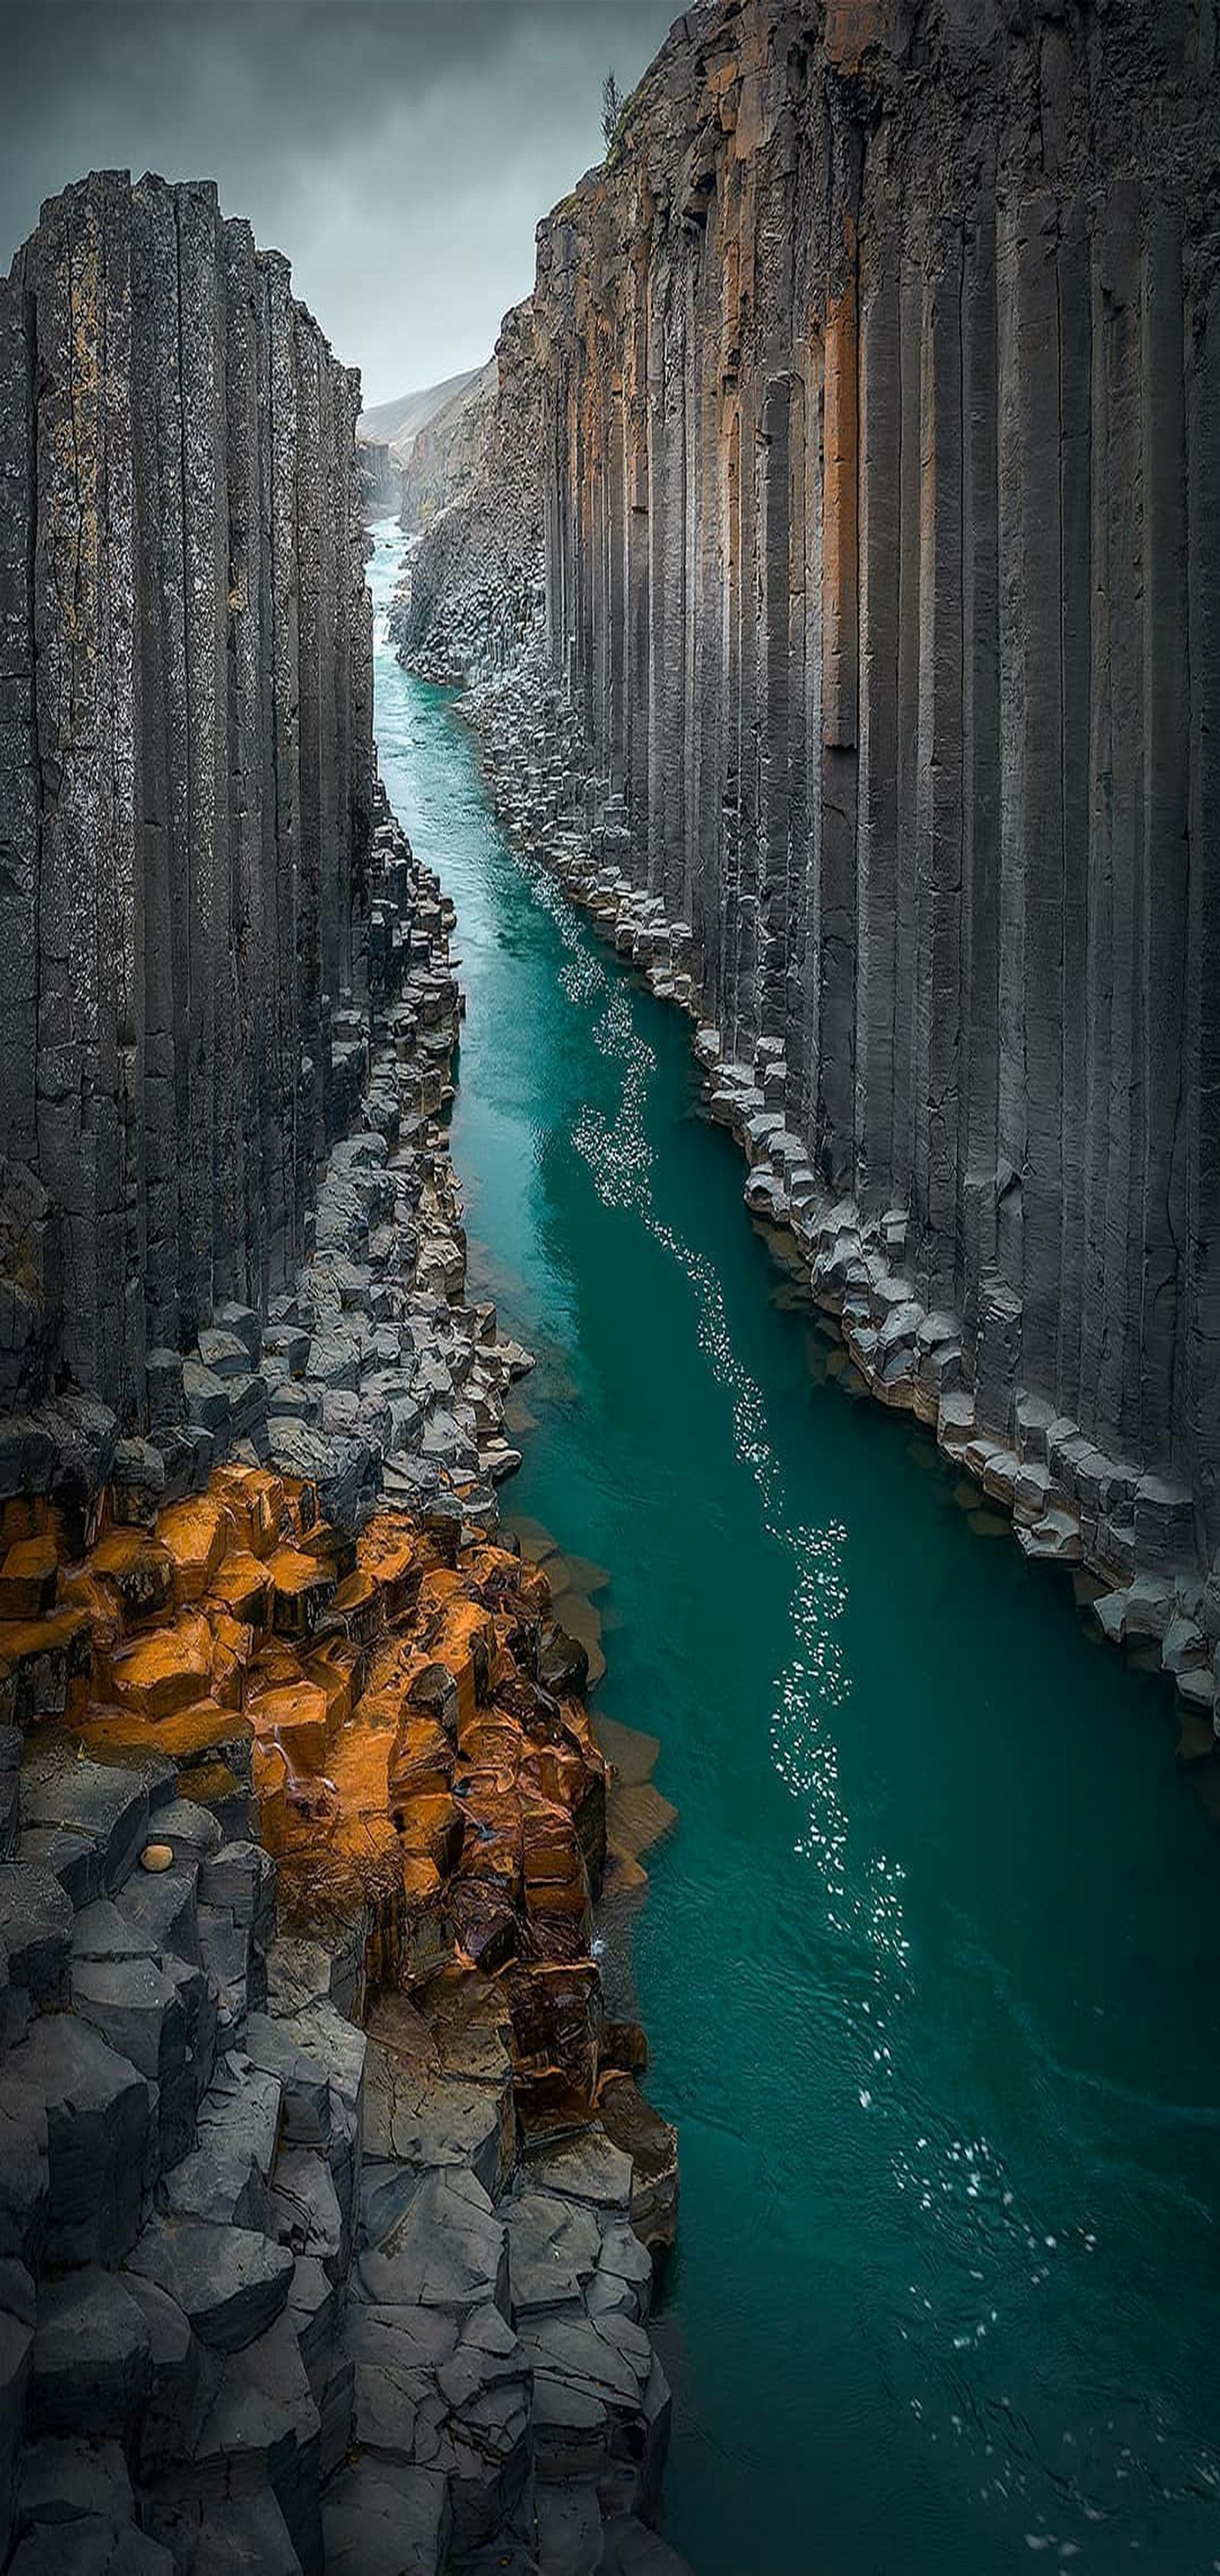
(879, 367)
(185, 775)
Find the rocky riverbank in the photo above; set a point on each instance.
(328, 2190)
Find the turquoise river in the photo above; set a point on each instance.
(930, 1967)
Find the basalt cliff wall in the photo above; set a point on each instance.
(880, 377)
(380, 476)
(473, 589)
(185, 776)
(448, 449)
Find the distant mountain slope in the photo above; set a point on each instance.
(398, 422)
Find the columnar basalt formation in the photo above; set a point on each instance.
(230, 2219)
(185, 776)
(881, 385)
(448, 449)
(380, 475)
(274, 2291)
(473, 586)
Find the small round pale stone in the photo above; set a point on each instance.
(156, 1856)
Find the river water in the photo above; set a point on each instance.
(930, 1966)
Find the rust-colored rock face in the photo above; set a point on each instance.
(880, 374)
(185, 775)
(418, 1785)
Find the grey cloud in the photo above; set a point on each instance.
(399, 151)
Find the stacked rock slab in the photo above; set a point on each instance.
(881, 479)
(185, 777)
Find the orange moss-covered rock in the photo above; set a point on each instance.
(392, 1557)
(421, 1880)
(242, 1585)
(358, 1608)
(23, 1516)
(555, 1883)
(377, 1713)
(213, 1781)
(421, 1761)
(28, 1578)
(274, 1666)
(333, 1547)
(360, 1765)
(297, 1719)
(334, 1668)
(161, 1673)
(380, 1697)
(270, 1776)
(232, 1651)
(301, 1587)
(63, 1633)
(201, 1728)
(138, 1570)
(256, 1502)
(491, 1745)
(555, 1773)
(492, 1849)
(431, 1826)
(461, 1635)
(301, 1512)
(82, 1590)
(197, 1534)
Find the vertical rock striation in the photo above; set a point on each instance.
(880, 379)
(185, 775)
(448, 448)
(380, 475)
(473, 585)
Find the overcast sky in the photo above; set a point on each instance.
(400, 151)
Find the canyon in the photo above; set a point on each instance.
(872, 389)
(791, 667)
(328, 2193)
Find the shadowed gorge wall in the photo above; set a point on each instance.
(185, 773)
(881, 384)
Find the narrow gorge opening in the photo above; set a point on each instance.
(608, 1798)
